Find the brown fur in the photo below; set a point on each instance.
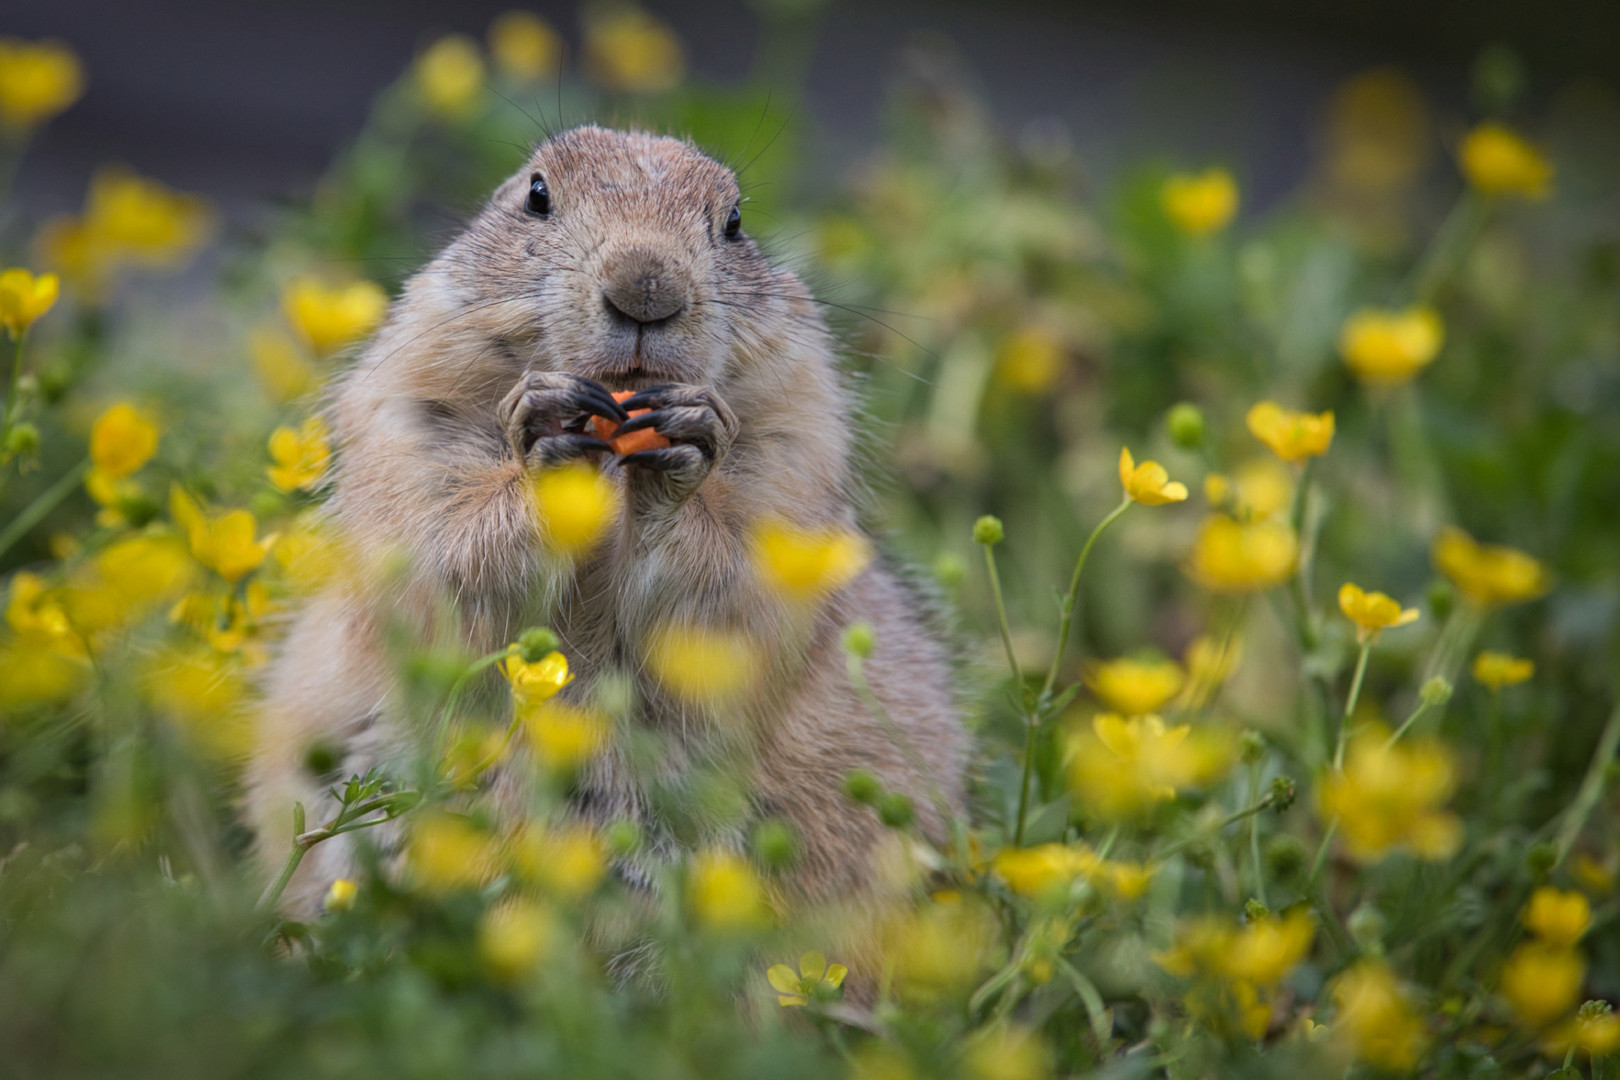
(431, 423)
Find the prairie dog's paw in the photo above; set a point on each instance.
(700, 427)
(544, 417)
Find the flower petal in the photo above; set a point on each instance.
(835, 975)
(783, 979)
(812, 965)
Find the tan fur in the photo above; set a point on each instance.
(430, 466)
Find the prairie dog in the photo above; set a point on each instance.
(611, 261)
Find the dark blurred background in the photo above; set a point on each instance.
(249, 102)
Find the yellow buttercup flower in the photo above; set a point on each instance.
(1292, 436)
(126, 219)
(1267, 949)
(1124, 767)
(1200, 203)
(1494, 670)
(564, 736)
(1005, 1052)
(724, 893)
(1030, 360)
(566, 861)
(627, 49)
(1372, 612)
(448, 853)
(121, 441)
(1148, 483)
(1488, 575)
(1498, 161)
(703, 665)
(329, 317)
(940, 949)
(815, 978)
(1235, 557)
(1376, 1019)
(225, 543)
(340, 896)
(205, 695)
(515, 938)
(1595, 1030)
(1034, 872)
(1556, 917)
(1542, 981)
(576, 504)
(1393, 797)
(38, 79)
(449, 76)
(803, 565)
(300, 455)
(525, 46)
(126, 581)
(538, 682)
(25, 297)
(1134, 686)
(1383, 348)
(280, 364)
(37, 616)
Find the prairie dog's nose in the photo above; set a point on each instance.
(644, 286)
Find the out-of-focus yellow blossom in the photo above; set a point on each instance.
(703, 665)
(447, 853)
(1209, 664)
(205, 694)
(121, 441)
(515, 937)
(470, 752)
(724, 893)
(1261, 487)
(1392, 797)
(575, 505)
(1498, 161)
(1372, 612)
(1292, 436)
(1558, 918)
(126, 581)
(1029, 361)
(38, 79)
(229, 623)
(629, 50)
(879, 1060)
(1217, 488)
(1006, 1052)
(940, 949)
(225, 543)
(36, 615)
(1597, 1031)
(1200, 203)
(127, 219)
(566, 860)
(814, 978)
(1542, 981)
(1267, 949)
(449, 76)
(1148, 483)
(1488, 575)
(1123, 768)
(310, 556)
(1591, 875)
(341, 895)
(537, 682)
(803, 565)
(300, 454)
(564, 736)
(1495, 670)
(33, 675)
(1234, 557)
(525, 46)
(24, 297)
(1375, 1018)
(1133, 685)
(280, 365)
(329, 317)
(1037, 871)
(1379, 133)
(1383, 348)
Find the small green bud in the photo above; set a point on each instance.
(860, 639)
(1594, 1010)
(622, 837)
(1254, 911)
(536, 643)
(862, 787)
(1540, 858)
(54, 383)
(988, 531)
(23, 440)
(1442, 599)
(949, 568)
(1366, 925)
(1283, 792)
(775, 844)
(1286, 857)
(1435, 692)
(895, 810)
(1251, 747)
(1185, 423)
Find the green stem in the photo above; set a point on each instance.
(1591, 789)
(1001, 617)
(1350, 704)
(47, 501)
(11, 394)
(1230, 819)
(1032, 728)
(1300, 584)
(1073, 597)
(1321, 857)
(1457, 234)
(1254, 834)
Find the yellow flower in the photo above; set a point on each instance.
(1392, 797)
(1494, 670)
(1558, 918)
(121, 441)
(280, 364)
(539, 681)
(1200, 203)
(32, 675)
(447, 853)
(1292, 436)
(1383, 348)
(126, 219)
(1122, 768)
(1542, 981)
(1591, 875)
(1148, 483)
(815, 978)
(515, 937)
(340, 897)
(564, 736)
(940, 949)
(1261, 487)
(627, 49)
(1006, 1052)
(127, 580)
(1234, 557)
(703, 665)
(1597, 1032)
(1372, 612)
(24, 298)
(575, 504)
(205, 695)
(525, 46)
(1209, 664)
(449, 76)
(1267, 949)
(1134, 686)
(37, 81)
(567, 861)
(1376, 1019)
(1498, 161)
(330, 317)
(724, 893)
(300, 455)
(37, 616)
(1038, 870)
(803, 565)
(1488, 575)
(1029, 361)
(222, 542)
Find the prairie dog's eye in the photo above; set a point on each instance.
(733, 223)
(539, 196)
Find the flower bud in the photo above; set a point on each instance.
(895, 810)
(988, 531)
(1286, 857)
(775, 844)
(23, 440)
(1435, 692)
(862, 787)
(536, 643)
(1254, 911)
(1442, 599)
(1593, 1010)
(1251, 747)
(949, 568)
(1540, 858)
(1185, 423)
(859, 639)
(1283, 792)
(1366, 925)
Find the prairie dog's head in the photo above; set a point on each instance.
(621, 256)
